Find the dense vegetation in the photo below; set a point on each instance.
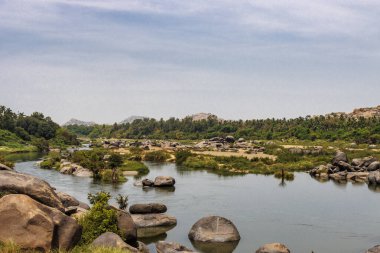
(330, 128)
(19, 132)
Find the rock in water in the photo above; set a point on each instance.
(148, 208)
(374, 166)
(171, 247)
(31, 186)
(214, 229)
(340, 157)
(147, 183)
(153, 220)
(34, 226)
(375, 249)
(374, 177)
(112, 240)
(67, 200)
(164, 181)
(5, 167)
(273, 248)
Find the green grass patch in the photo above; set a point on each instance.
(157, 156)
(135, 166)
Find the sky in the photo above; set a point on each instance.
(103, 61)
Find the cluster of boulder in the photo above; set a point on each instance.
(160, 181)
(70, 168)
(341, 169)
(228, 144)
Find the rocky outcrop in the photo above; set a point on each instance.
(74, 169)
(35, 226)
(171, 247)
(273, 248)
(112, 240)
(67, 200)
(5, 167)
(29, 185)
(153, 220)
(375, 249)
(148, 208)
(164, 181)
(214, 229)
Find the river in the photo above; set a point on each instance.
(304, 214)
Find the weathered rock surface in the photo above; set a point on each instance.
(75, 169)
(29, 185)
(147, 182)
(153, 220)
(171, 247)
(113, 240)
(32, 225)
(127, 226)
(67, 200)
(148, 208)
(273, 248)
(374, 166)
(164, 181)
(375, 249)
(214, 229)
(340, 157)
(5, 167)
(374, 177)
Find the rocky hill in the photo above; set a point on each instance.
(202, 116)
(131, 119)
(368, 112)
(77, 122)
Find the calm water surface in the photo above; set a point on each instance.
(304, 214)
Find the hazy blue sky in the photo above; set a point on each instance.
(106, 60)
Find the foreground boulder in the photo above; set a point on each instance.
(67, 200)
(127, 227)
(164, 181)
(171, 247)
(5, 167)
(112, 240)
(153, 220)
(35, 226)
(374, 178)
(29, 185)
(375, 249)
(273, 248)
(214, 229)
(148, 208)
(340, 157)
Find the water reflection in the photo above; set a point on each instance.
(206, 247)
(153, 231)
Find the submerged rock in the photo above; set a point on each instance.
(214, 229)
(147, 183)
(35, 226)
(32, 186)
(171, 247)
(148, 208)
(273, 248)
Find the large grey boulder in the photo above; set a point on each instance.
(374, 166)
(112, 240)
(34, 226)
(127, 226)
(214, 229)
(5, 167)
(67, 200)
(374, 177)
(148, 208)
(273, 248)
(32, 186)
(375, 249)
(164, 181)
(153, 220)
(340, 157)
(171, 247)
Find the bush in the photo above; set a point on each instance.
(100, 219)
(7, 163)
(181, 156)
(157, 156)
(201, 162)
(107, 176)
(141, 168)
(122, 201)
(41, 144)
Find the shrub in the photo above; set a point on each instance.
(181, 156)
(141, 168)
(7, 163)
(100, 219)
(201, 162)
(122, 201)
(157, 156)
(107, 175)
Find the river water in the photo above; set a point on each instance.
(304, 214)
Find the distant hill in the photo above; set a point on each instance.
(367, 112)
(203, 116)
(77, 122)
(132, 118)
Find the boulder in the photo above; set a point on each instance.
(112, 240)
(340, 157)
(84, 205)
(375, 249)
(5, 167)
(153, 220)
(127, 226)
(357, 162)
(368, 160)
(147, 182)
(214, 229)
(230, 139)
(148, 208)
(164, 181)
(374, 166)
(79, 213)
(357, 176)
(343, 166)
(374, 177)
(340, 176)
(171, 247)
(67, 200)
(273, 248)
(35, 226)
(29, 185)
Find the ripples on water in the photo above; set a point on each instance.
(304, 214)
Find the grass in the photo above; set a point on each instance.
(141, 168)
(11, 143)
(10, 247)
(157, 156)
